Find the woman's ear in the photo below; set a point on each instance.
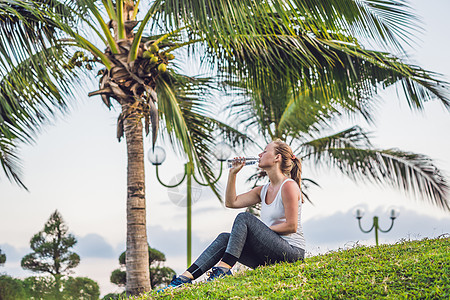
(278, 157)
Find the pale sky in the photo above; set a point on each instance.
(78, 167)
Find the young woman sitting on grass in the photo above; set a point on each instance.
(277, 237)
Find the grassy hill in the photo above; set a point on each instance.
(408, 269)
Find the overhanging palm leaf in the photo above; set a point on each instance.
(298, 82)
(34, 88)
(284, 111)
(25, 27)
(268, 43)
(418, 84)
(184, 107)
(353, 137)
(33, 80)
(30, 94)
(410, 172)
(292, 113)
(384, 21)
(10, 161)
(341, 70)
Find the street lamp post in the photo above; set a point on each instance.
(157, 156)
(375, 225)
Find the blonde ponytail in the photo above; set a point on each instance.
(290, 165)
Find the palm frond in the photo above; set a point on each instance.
(171, 113)
(32, 91)
(191, 124)
(24, 29)
(343, 72)
(229, 133)
(413, 173)
(185, 129)
(271, 53)
(306, 184)
(369, 68)
(353, 137)
(287, 112)
(309, 46)
(34, 78)
(10, 161)
(30, 94)
(383, 21)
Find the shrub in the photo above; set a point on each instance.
(112, 296)
(81, 288)
(41, 287)
(11, 288)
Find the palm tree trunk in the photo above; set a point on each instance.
(137, 266)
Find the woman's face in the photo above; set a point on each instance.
(267, 157)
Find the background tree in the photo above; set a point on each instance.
(2, 257)
(269, 43)
(159, 274)
(51, 249)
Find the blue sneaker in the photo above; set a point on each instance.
(217, 272)
(176, 282)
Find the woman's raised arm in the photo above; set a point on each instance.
(244, 200)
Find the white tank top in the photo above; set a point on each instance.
(274, 213)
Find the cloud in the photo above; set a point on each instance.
(90, 245)
(14, 254)
(122, 246)
(94, 245)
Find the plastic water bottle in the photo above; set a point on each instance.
(248, 161)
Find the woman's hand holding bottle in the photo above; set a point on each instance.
(236, 164)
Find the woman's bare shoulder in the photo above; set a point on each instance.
(290, 187)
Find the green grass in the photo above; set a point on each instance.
(406, 270)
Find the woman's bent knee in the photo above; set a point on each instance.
(244, 215)
(223, 236)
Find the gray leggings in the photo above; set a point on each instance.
(250, 242)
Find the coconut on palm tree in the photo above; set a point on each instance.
(132, 46)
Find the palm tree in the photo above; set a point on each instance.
(25, 105)
(267, 43)
(286, 114)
